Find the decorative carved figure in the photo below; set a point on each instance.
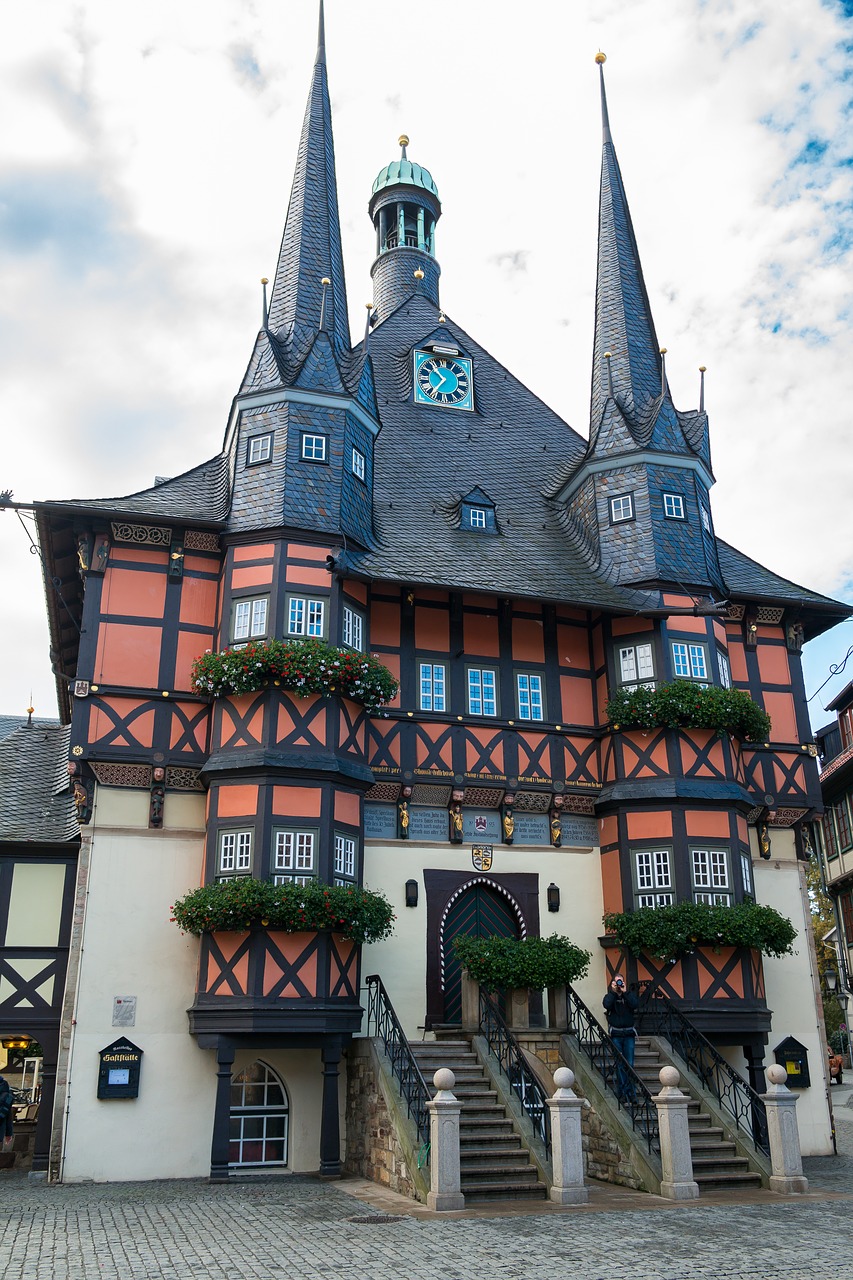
(456, 824)
(763, 832)
(403, 809)
(556, 829)
(155, 810)
(84, 552)
(509, 826)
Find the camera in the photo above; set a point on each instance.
(620, 982)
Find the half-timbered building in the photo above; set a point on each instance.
(408, 496)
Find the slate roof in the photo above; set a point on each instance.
(35, 796)
(746, 577)
(201, 495)
(427, 459)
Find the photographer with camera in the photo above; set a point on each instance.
(621, 1007)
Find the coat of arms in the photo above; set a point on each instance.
(481, 856)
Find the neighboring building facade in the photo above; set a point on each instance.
(408, 496)
(39, 839)
(835, 741)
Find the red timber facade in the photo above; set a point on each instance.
(394, 497)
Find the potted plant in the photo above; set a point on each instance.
(518, 966)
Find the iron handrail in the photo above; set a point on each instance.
(611, 1066)
(383, 1023)
(524, 1084)
(734, 1096)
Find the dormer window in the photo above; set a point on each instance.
(478, 513)
(673, 506)
(259, 449)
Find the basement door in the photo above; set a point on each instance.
(486, 914)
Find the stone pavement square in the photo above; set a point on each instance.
(302, 1229)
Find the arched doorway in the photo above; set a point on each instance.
(259, 1118)
(484, 911)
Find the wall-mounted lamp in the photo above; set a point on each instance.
(411, 893)
(831, 978)
(553, 897)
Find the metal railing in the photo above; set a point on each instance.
(383, 1023)
(734, 1096)
(523, 1082)
(619, 1077)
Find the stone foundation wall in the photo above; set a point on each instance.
(374, 1148)
(604, 1158)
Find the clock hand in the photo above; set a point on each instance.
(443, 377)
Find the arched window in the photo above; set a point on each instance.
(259, 1118)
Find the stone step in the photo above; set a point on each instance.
(475, 1092)
(478, 1150)
(498, 1171)
(702, 1146)
(480, 1129)
(721, 1164)
(478, 1191)
(724, 1180)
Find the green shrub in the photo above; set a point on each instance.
(683, 704)
(503, 963)
(670, 932)
(301, 666)
(358, 914)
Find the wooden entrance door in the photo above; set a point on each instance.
(486, 914)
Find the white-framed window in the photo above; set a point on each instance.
(746, 872)
(235, 854)
(530, 703)
(359, 464)
(622, 508)
(353, 629)
(711, 881)
(673, 506)
(250, 618)
(706, 520)
(477, 517)
(313, 448)
(689, 661)
(259, 449)
(306, 617)
(482, 691)
(636, 665)
(345, 859)
(432, 683)
(725, 670)
(294, 857)
(653, 870)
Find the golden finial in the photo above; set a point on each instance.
(369, 306)
(663, 351)
(703, 368)
(264, 280)
(601, 58)
(419, 275)
(608, 355)
(325, 280)
(30, 710)
(403, 140)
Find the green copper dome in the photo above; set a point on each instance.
(404, 172)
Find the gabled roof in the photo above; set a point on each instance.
(36, 800)
(748, 579)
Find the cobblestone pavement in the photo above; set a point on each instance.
(306, 1230)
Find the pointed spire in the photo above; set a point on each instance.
(321, 36)
(623, 318)
(311, 244)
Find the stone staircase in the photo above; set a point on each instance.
(495, 1164)
(716, 1163)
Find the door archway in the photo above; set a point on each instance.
(259, 1122)
(481, 909)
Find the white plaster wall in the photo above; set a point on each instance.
(131, 948)
(792, 989)
(401, 960)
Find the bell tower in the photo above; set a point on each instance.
(404, 207)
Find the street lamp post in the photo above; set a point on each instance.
(841, 995)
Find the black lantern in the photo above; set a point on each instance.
(553, 896)
(411, 893)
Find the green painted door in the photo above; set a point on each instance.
(486, 914)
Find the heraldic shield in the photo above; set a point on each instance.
(481, 856)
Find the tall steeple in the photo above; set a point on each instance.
(623, 318)
(311, 245)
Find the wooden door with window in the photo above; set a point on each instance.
(486, 914)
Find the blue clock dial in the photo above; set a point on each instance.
(444, 380)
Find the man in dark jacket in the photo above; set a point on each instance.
(6, 1114)
(621, 1008)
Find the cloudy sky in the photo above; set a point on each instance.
(145, 167)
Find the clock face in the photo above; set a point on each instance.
(444, 380)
